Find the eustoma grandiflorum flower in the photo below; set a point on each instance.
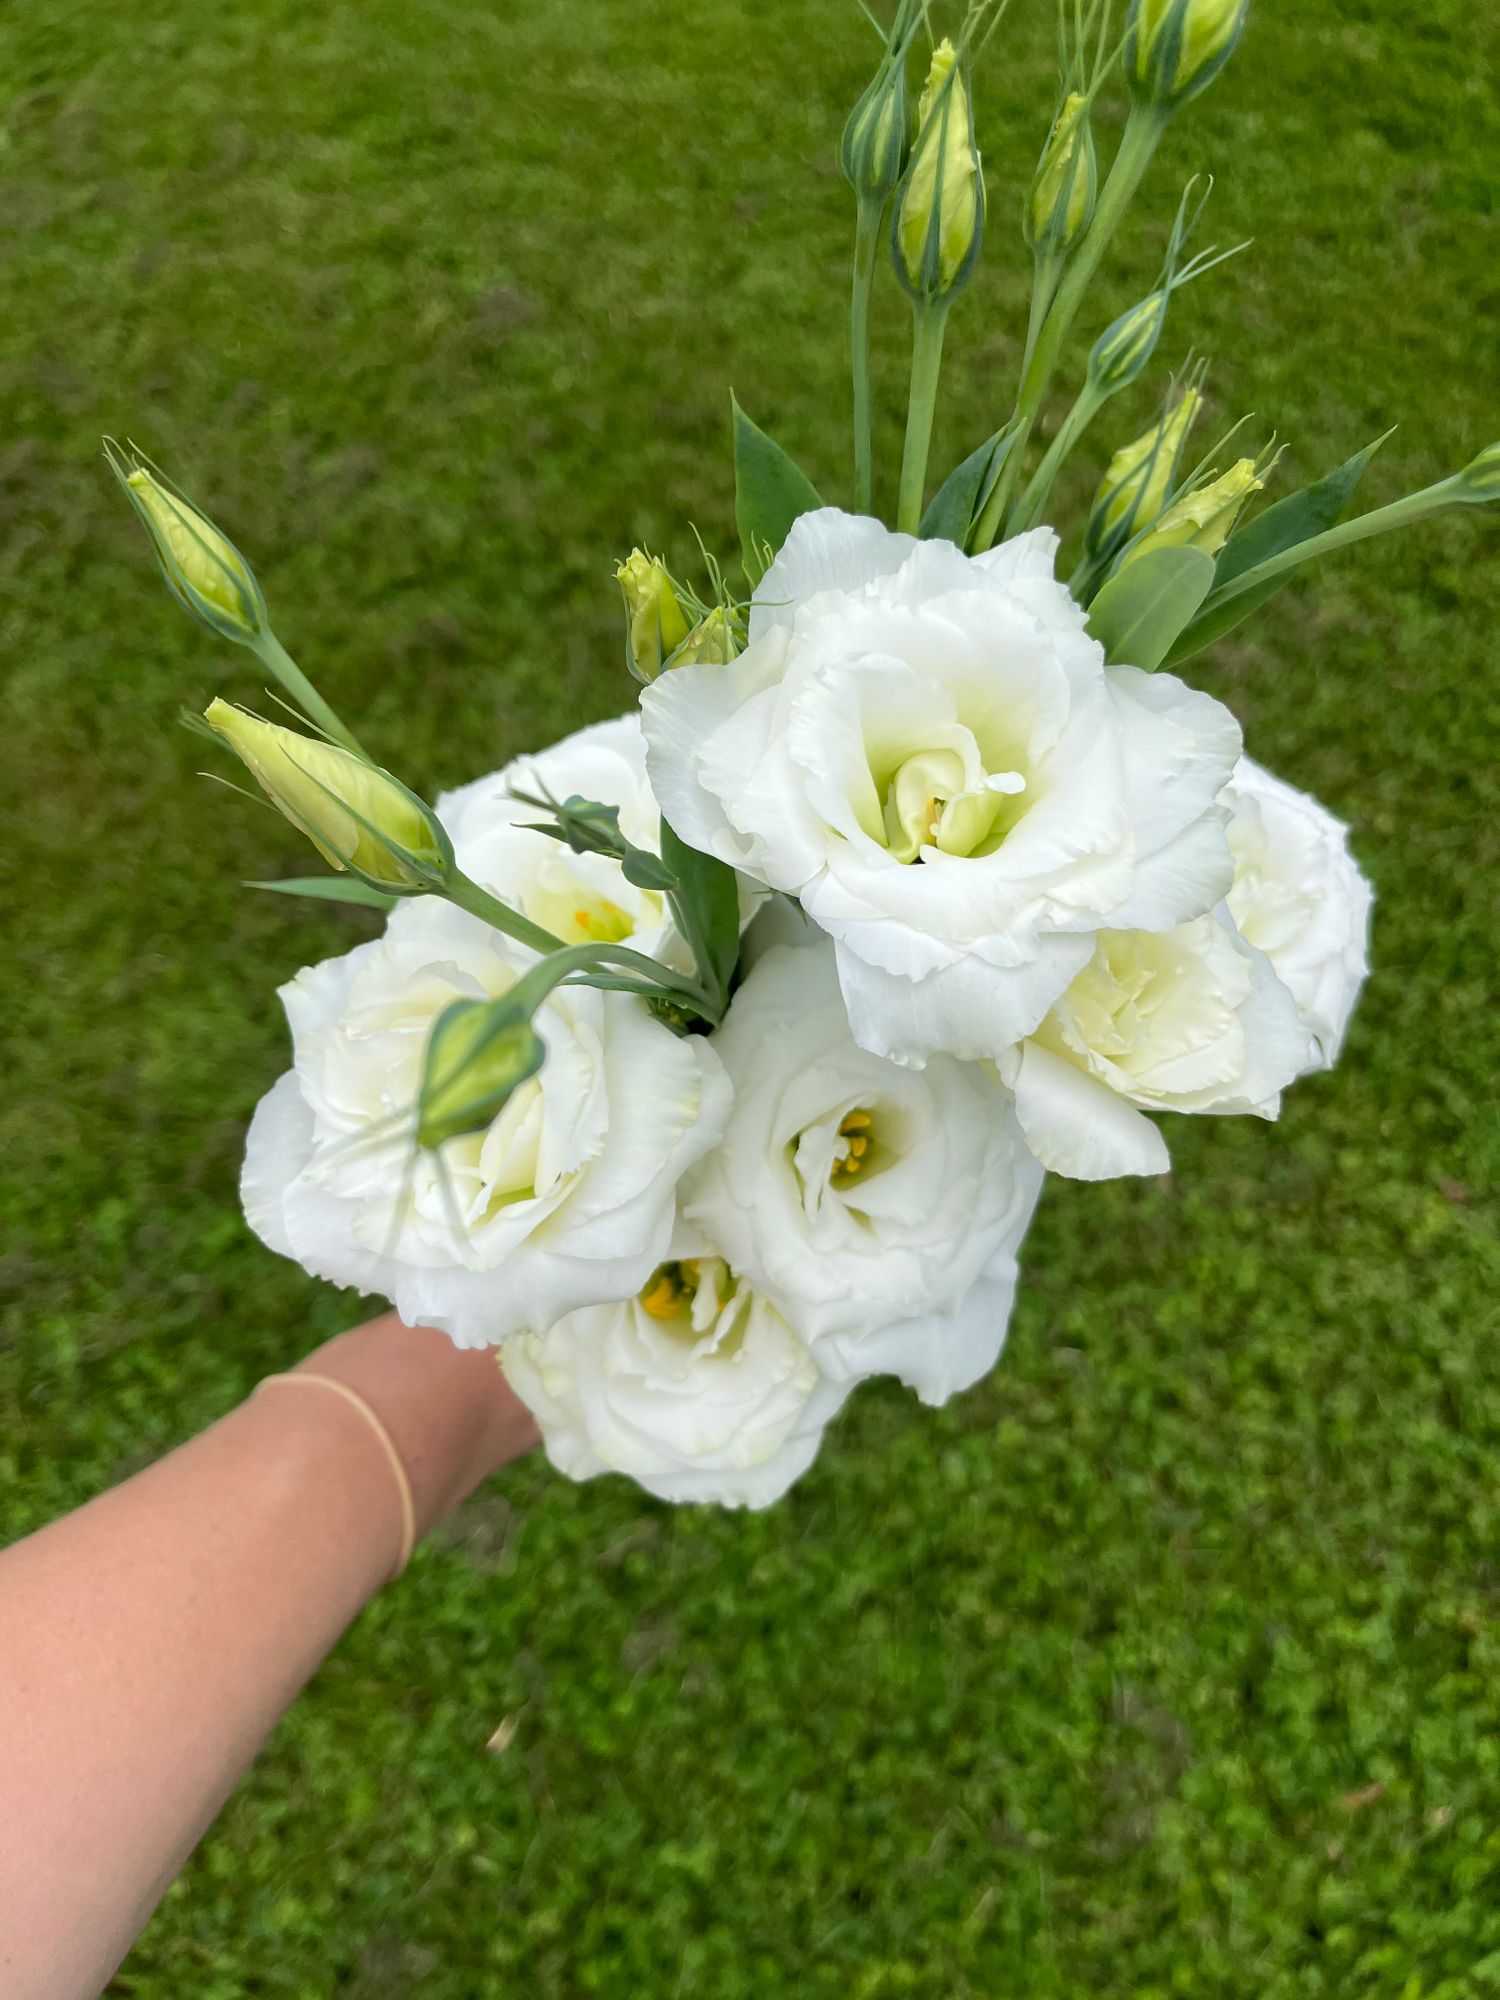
(1299, 897)
(930, 752)
(696, 1387)
(565, 1197)
(1189, 1019)
(878, 1208)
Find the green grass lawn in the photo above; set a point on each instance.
(1165, 1662)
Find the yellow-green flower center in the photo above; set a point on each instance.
(929, 802)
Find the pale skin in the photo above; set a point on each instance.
(150, 1641)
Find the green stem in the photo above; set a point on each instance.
(465, 894)
(1142, 134)
(278, 662)
(1379, 521)
(468, 895)
(1028, 509)
(928, 324)
(1044, 274)
(866, 245)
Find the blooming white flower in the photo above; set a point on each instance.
(697, 1388)
(1191, 1019)
(928, 749)
(567, 1198)
(1299, 896)
(879, 1208)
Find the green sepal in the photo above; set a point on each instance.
(960, 500)
(1139, 614)
(770, 491)
(331, 889)
(1287, 524)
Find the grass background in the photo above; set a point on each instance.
(1162, 1664)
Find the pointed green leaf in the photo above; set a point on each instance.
(1139, 613)
(770, 491)
(1289, 523)
(711, 891)
(330, 889)
(1295, 519)
(960, 499)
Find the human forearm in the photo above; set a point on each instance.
(149, 1642)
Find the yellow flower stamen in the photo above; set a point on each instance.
(855, 1129)
(670, 1288)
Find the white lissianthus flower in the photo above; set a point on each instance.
(879, 1208)
(696, 1388)
(929, 751)
(1298, 895)
(1190, 1019)
(567, 1198)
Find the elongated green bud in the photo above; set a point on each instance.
(873, 149)
(1175, 48)
(358, 817)
(204, 570)
(1124, 348)
(1478, 485)
(1204, 517)
(479, 1052)
(1140, 477)
(938, 221)
(654, 621)
(1060, 204)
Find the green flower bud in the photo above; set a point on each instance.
(1060, 205)
(1478, 485)
(712, 642)
(872, 151)
(1124, 348)
(938, 221)
(478, 1053)
(1175, 48)
(204, 570)
(654, 622)
(1204, 517)
(358, 817)
(1140, 477)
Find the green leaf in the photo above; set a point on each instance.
(330, 889)
(770, 491)
(1295, 519)
(960, 499)
(710, 891)
(1285, 526)
(1140, 612)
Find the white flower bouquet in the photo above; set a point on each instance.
(711, 1060)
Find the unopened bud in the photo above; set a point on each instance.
(1175, 48)
(205, 571)
(938, 220)
(872, 151)
(712, 642)
(478, 1053)
(654, 621)
(1478, 485)
(358, 817)
(1141, 475)
(1124, 348)
(1060, 205)
(1205, 516)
